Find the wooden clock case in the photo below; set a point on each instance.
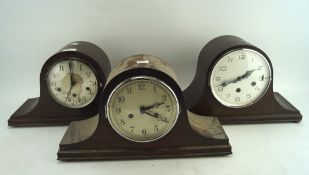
(272, 107)
(95, 139)
(44, 110)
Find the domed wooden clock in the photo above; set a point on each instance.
(234, 81)
(70, 84)
(143, 115)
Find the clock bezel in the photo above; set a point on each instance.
(68, 58)
(223, 54)
(143, 77)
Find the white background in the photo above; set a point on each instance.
(31, 31)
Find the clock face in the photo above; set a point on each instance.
(240, 78)
(72, 83)
(142, 109)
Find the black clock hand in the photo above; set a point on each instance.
(244, 76)
(71, 81)
(156, 115)
(247, 74)
(71, 74)
(156, 105)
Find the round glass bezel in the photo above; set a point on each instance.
(224, 103)
(156, 80)
(78, 60)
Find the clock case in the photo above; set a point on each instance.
(272, 107)
(44, 110)
(95, 139)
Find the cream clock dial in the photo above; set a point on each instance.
(240, 78)
(72, 83)
(142, 109)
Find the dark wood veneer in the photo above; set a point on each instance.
(272, 107)
(44, 110)
(95, 139)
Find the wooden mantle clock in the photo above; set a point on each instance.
(143, 115)
(70, 84)
(234, 81)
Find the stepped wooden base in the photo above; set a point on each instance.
(86, 140)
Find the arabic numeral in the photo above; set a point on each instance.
(144, 131)
(94, 83)
(242, 56)
(218, 78)
(261, 78)
(248, 96)
(164, 97)
(156, 128)
(259, 67)
(122, 122)
(222, 68)
(220, 88)
(132, 128)
(227, 95)
(237, 99)
(141, 86)
(129, 90)
(121, 99)
(88, 74)
(55, 75)
(167, 108)
(61, 68)
(118, 111)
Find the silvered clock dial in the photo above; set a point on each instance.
(142, 109)
(240, 78)
(72, 83)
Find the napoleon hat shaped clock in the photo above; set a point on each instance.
(143, 115)
(234, 81)
(70, 83)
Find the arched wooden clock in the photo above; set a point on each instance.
(234, 81)
(143, 115)
(70, 85)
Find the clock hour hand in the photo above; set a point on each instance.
(244, 76)
(156, 105)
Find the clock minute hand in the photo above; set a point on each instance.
(71, 81)
(247, 74)
(71, 74)
(156, 115)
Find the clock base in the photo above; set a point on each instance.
(154, 153)
(286, 113)
(34, 113)
(91, 140)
